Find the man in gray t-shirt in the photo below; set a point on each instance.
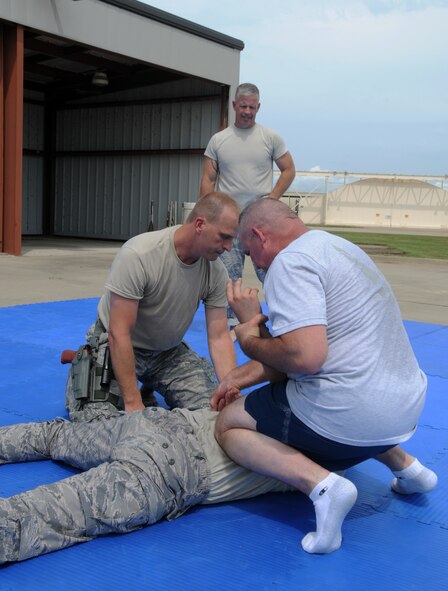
(239, 161)
(155, 285)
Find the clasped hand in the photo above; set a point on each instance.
(244, 302)
(227, 391)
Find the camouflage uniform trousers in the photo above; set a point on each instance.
(139, 467)
(184, 379)
(234, 263)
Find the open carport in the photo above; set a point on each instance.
(108, 106)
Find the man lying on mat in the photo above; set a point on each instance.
(137, 468)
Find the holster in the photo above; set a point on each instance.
(91, 381)
(81, 372)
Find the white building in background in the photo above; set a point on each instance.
(377, 200)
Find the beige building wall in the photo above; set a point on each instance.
(376, 203)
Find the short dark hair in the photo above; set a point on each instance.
(265, 212)
(211, 206)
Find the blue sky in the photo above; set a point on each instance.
(351, 85)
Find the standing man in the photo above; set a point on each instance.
(239, 161)
(154, 288)
(345, 385)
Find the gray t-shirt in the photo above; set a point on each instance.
(245, 159)
(370, 390)
(148, 269)
(228, 480)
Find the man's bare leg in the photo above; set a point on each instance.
(411, 476)
(333, 496)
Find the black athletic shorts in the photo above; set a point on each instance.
(269, 407)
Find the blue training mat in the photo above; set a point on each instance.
(390, 542)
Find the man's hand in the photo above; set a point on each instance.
(244, 302)
(134, 406)
(250, 329)
(227, 391)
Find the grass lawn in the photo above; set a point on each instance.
(427, 247)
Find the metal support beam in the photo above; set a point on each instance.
(12, 119)
(2, 137)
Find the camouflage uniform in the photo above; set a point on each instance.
(139, 467)
(234, 263)
(184, 379)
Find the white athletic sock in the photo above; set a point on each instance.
(332, 498)
(414, 479)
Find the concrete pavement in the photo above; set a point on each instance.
(57, 269)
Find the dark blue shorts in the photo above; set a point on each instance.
(270, 408)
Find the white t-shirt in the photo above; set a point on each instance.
(370, 390)
(245, 160)
(148, 269)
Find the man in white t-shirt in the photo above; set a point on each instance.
(345, 385)
(239, 161)
(155, 285)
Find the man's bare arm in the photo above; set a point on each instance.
(123, 314)
(301, 351)
(287, 174)
(220, 346)
(209, 177)
(245, 303)
(249, 374)
(244, 376)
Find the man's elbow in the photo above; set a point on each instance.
(117, 335)
(308, 365)
(291, 173)
(311, 368)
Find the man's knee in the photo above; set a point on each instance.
(233, 416)
(220, 427)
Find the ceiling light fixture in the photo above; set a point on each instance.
(100, 79)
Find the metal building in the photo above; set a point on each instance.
(372, 199)
(107, 108)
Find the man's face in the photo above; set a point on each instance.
(246, 109)
(218, 237)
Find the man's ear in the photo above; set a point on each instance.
(199, 224)
(259, 235)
